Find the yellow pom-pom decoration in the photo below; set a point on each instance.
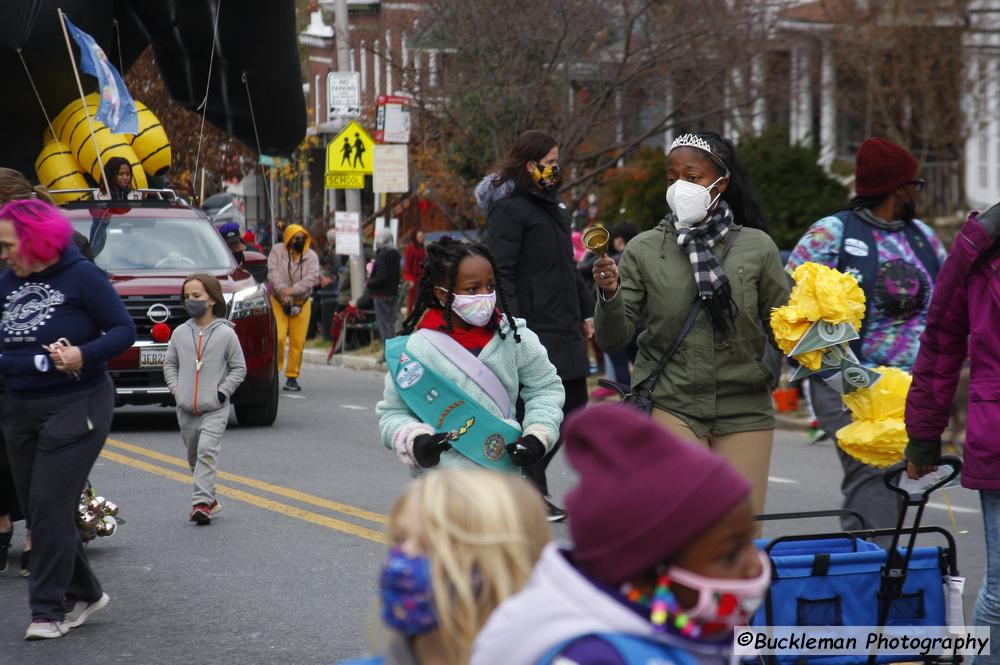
(878, 434)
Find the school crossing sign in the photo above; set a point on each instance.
(349, 158)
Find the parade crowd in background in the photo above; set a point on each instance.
(490, 346)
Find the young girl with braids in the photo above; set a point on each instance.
(459, 366)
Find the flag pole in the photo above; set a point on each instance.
(83, 101)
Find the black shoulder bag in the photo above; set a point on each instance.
(641, 397)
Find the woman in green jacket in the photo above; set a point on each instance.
(712, 247)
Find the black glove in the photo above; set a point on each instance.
(526, 451)
(427, 449)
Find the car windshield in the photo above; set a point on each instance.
(125, 244)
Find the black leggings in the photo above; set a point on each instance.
(576, 397)
(8, 497)
(53, 442)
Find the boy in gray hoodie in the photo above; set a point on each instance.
(203, 368)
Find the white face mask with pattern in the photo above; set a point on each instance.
(690, 202)
(477, 309)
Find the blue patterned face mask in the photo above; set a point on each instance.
(407, 596)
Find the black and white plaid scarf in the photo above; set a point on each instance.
(698, 241)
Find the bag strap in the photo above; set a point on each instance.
(685, 329)
(692, 315)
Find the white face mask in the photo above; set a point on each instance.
(690, 201)
(476, 310)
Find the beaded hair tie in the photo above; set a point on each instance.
(663, 605)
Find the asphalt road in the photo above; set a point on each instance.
(286, 573)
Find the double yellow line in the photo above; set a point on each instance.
(286, 509)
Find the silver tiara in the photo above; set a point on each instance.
(693, 141)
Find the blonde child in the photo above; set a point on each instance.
(203, 368)
(462, 541)
(458, 370)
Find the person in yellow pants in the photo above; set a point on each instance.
(292, 272)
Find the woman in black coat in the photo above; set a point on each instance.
(529, 233)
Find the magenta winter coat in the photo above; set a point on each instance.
(964, 318)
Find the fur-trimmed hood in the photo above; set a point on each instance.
(487, 193)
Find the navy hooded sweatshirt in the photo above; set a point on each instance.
(71, 299)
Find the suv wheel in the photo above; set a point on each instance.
(260, 414)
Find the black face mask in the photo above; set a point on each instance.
(239, 257)
(298, 245)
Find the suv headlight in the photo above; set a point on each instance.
(248, 302)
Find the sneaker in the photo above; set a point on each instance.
(214, 507)
(45, 629)
(80, 611)
(201, 514)
(814, 433)
(292, 386)
(555, 514)
(25, 563)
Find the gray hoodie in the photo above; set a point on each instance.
(222, 368)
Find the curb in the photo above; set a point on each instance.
(371, 364)
(364, 363)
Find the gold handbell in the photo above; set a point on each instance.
(94, 505)
(110, 508)
(107, 527)
(100, 500)
(596, 239)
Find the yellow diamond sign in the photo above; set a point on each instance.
(351, 152)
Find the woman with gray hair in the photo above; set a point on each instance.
(383, 285)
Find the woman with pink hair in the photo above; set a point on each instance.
(62, 321)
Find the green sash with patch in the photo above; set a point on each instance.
(475, 432)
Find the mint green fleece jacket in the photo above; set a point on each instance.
(523, 365)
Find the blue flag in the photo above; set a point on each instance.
(116, 110)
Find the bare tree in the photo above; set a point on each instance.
(603, 77)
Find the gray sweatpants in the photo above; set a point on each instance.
(202, 435)
(863, 486)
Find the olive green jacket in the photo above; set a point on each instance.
(717, 385)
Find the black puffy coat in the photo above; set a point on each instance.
(386, 273)
(529, 233)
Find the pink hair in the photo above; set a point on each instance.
(41, 228)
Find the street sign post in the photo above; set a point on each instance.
(348, 233)
(392, 119)
(343, 95)
(392, 172)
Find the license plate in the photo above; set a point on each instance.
(152, 356)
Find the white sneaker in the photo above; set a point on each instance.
(82, 611)
(45, 630)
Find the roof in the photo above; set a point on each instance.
(826, 11)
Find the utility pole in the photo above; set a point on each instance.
(353, 196)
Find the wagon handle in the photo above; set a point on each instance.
(899, 468)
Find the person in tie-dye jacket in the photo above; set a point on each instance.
(895, 257)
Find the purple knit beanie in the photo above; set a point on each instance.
(643, 493)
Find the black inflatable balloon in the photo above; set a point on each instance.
(19, 21)
(257, 37)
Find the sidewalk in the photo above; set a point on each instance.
(348, 360)
(795, 420)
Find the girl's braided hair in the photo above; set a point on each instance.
(441, 268)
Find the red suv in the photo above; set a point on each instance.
(148, 247)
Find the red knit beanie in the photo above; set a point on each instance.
(643, 493)
(882, 166)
